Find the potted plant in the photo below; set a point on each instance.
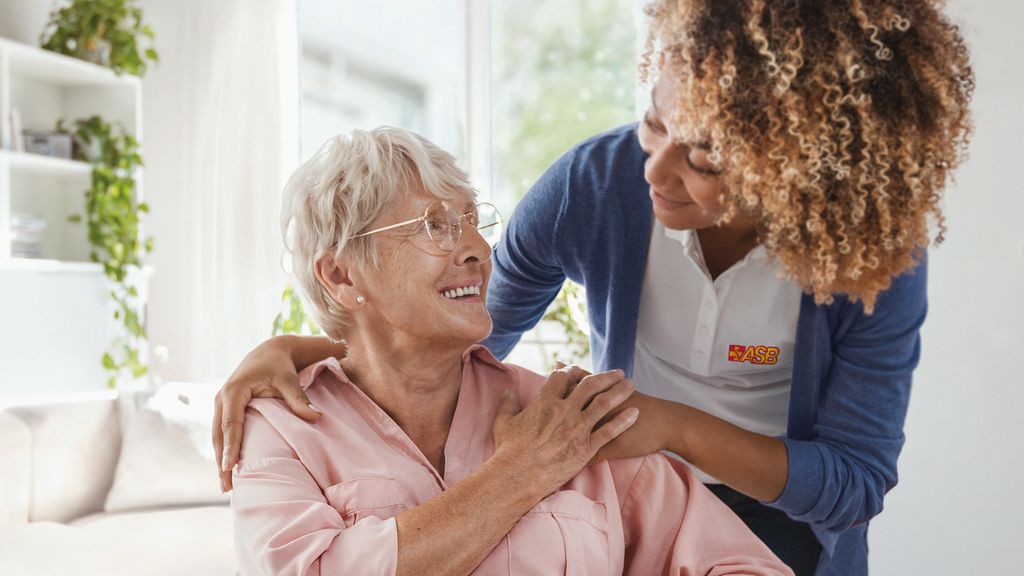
(105, 32)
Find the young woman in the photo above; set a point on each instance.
(753, 255)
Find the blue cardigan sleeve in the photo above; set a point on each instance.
(527, 272)
(839, 476)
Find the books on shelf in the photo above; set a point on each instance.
(48, 143)
(27, 236)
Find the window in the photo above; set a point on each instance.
(365, 63)
(561, 72)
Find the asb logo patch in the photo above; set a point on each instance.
(754, 354)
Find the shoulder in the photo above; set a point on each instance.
(598, 179)
(525, 383)
(268, 418)
(904, 303)
(605, 161)
(316, 379)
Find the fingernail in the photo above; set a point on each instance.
(314, 408)
(632, 417)
(224, 462)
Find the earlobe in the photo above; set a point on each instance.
(334, 277)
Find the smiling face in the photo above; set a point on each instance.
(685, 187)
(418, 292)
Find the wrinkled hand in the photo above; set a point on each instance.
(561, 430)
(645, 437)
(266, 372)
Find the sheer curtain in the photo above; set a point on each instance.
(218, 280)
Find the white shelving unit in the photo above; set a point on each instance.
(56, 310)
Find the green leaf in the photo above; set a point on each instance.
(108, 362)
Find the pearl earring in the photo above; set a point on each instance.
(360, 299)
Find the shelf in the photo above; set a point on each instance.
(64, 266)
(46, 265)
(57, 69)
(45, 165)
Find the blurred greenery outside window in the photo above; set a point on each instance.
(560, 73)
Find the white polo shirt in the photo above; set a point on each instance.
(722, 346)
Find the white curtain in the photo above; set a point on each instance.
(218, 278)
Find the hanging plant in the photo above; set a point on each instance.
(105, 32)
(293, 318)
(113, 215)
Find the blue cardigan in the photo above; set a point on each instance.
(589, 218)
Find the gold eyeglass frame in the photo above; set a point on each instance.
(423, 219)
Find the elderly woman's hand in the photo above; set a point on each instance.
(268, 371)
(557, 434)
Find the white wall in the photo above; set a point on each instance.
(959, 508)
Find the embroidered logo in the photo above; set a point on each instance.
(754, 354)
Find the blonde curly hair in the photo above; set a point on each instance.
(836, 124)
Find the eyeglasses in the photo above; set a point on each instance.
(443, 224)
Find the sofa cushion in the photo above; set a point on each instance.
(75, 443)
(171, 542)
(166, 452)
(15, 470)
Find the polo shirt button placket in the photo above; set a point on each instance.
(702, 345)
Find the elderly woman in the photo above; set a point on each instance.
(418, 464)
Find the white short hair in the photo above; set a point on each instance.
(342, 189)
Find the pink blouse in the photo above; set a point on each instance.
(321, 498)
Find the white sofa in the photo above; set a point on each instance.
(59, 466)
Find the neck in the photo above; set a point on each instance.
(417, 387)
(740, 231)
(727, 244)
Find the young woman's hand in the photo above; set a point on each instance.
(647, 436)
(560, 431)
(268, 371)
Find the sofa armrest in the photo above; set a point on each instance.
(15, 470)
